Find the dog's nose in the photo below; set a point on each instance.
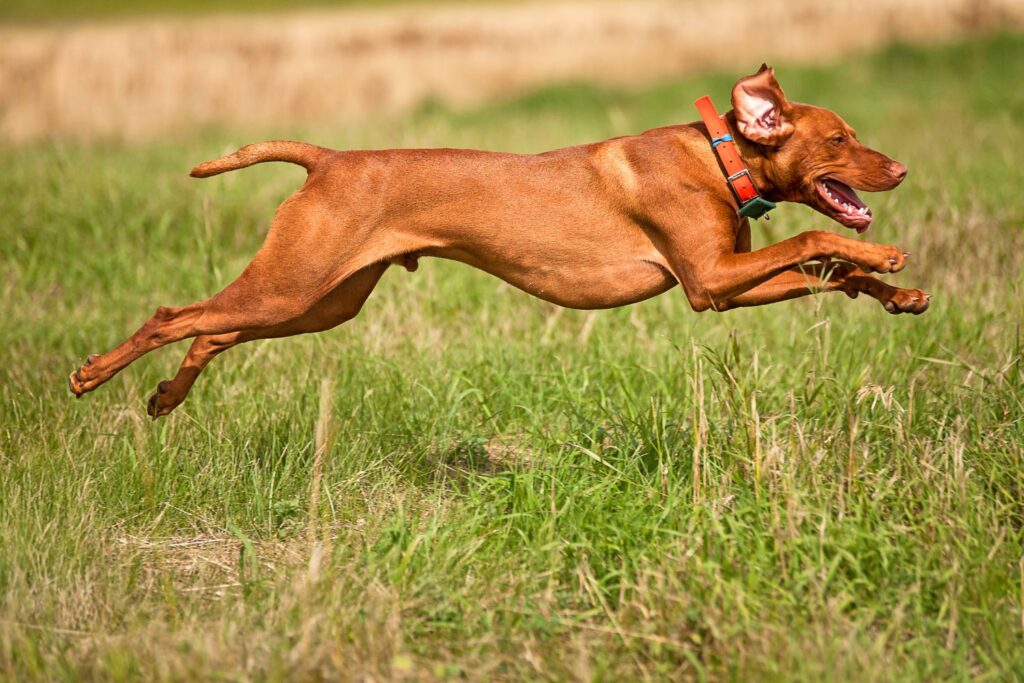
(898, 170)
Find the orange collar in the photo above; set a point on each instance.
(752, 204)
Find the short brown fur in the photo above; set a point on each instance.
(594, 226)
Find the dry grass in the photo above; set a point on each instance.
(143, 78)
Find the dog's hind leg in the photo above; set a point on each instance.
(305, 256)
(340, 305)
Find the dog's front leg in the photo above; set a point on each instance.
(712, 273)
(830, 277)
(792, 284)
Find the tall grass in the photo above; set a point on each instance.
(466, 483)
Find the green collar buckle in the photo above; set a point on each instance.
(755, 208)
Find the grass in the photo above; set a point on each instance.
(467, 483)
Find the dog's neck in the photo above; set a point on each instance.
(754, 158)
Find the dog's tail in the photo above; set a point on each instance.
(300, 153)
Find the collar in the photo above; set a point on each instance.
(752, 204)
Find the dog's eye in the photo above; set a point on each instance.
(839, 140)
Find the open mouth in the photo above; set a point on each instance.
(846, 207)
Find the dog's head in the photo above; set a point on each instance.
(809, 154)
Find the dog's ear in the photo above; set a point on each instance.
(762, 110)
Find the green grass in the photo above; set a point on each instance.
(813, 490)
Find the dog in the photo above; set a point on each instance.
(594, 226)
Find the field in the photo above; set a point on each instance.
(141, 78)
(465, 483)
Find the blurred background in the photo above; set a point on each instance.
(137, 70)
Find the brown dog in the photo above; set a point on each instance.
(595, 226)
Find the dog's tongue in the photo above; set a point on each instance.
(845, 193)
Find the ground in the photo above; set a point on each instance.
(466, 483)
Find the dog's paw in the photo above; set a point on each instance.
(163, 401)
(908, 301)
(881, 258)
(79, 381)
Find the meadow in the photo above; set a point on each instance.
(465, 483)
(132, 76)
